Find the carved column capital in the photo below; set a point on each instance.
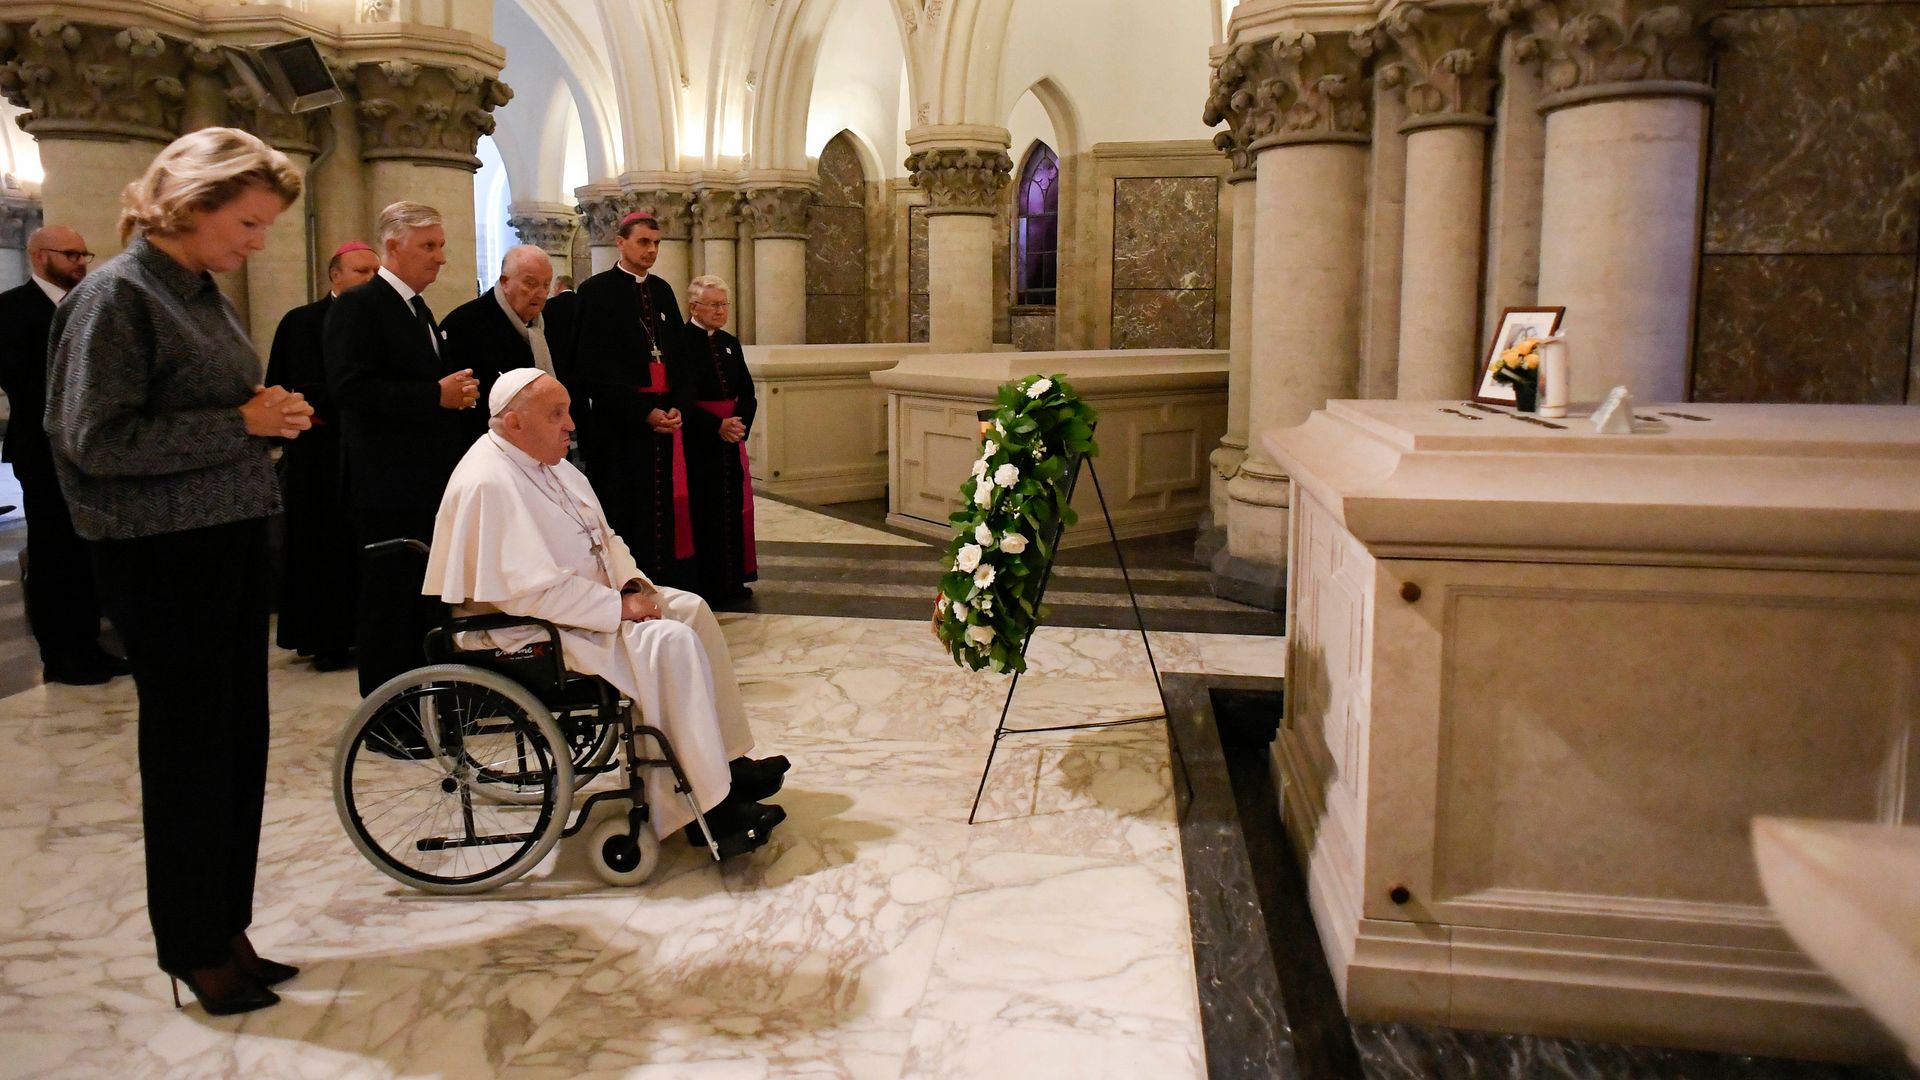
(1440, 55)
(1592, 50)
(425, 112)
(961, 180)
(672, 209)
(720, 210)
(19, 217)
(82, 80)
(549, 230)
(601, 211)
(779, 212)
(1296, 87)
(287, 132)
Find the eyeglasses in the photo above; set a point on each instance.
(714, 303)
(77, 256)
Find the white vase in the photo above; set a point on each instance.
(1553, 377)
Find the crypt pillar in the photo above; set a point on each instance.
(280, 277)
(963, 169)
(1442, 67)
(1626, 83)
(1232, 451)
(547, 226)
(778, 205)
(672, 206)
(101, 101)
(19, 217)
(1301, 98)
(602, 205)
(718, 206)
(419, 126)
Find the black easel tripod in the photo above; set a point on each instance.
(1046, 576)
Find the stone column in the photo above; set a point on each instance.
(278, 278)
(672, 207)
(1232, 451)
(419, 125)
(602, 205)
(101, 101)
(718, 208)
(1626, 84)
(1443, 71)
(1302, 99)
(779, 216)
(19, 217)
(963, 170)
(547, 226)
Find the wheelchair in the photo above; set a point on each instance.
(458, 777)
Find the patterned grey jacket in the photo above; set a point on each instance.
(146, 372)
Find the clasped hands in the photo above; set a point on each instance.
(733, 429)
(664, 422)
(274, 412)
(638, 603)
(459, 390)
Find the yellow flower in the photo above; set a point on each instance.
(1533, 361)
(1526, 347)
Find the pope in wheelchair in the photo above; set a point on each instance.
(477, 785)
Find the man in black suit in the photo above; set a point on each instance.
(406, 417)
(614, 362)
(320, 578)
(63, 610)
(502, 328)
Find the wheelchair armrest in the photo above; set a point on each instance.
(401, 543)
(440, 638)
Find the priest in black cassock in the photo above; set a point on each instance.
(618, 331)
(320, 575)
(716, 399)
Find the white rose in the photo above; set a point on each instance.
(1006, 475)
(998, 428)
(986, 605)
(983, 492)
(968, 558)
(980, 635)
(983, 577)
(961, 611)
(979, 468)
(983, 535)
(989, 450)
(941, 605)
(1039, 388)
(1013, 543)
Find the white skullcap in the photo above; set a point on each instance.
(508, 387)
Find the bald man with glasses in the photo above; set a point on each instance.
(63, 608)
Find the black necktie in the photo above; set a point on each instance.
(426, 319)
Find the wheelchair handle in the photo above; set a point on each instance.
(439, 640)
(400, 543)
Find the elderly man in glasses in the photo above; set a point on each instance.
(63, 609)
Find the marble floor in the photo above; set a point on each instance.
(878, 935)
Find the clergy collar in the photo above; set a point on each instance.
(538, 323)
(405, 290)
(709, 329)
(640, 277)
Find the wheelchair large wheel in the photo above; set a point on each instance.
(420, 768)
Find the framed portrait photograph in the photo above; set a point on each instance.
(1516, 325)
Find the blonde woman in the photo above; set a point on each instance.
(160, 432)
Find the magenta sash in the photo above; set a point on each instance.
(682, 513)
(723, 409)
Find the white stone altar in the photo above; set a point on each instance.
(1541, 680)
(1161, 412)
(821, 432)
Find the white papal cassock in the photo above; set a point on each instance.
(518, 536)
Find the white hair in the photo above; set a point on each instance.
(401, 218)
(699, 288)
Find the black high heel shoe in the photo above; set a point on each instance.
(262, 970)
(243, 996)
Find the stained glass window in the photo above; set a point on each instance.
(1036, 228)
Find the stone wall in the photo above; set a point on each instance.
(1812, 230)
(1166, 243)
(837, 249)
(918, 301)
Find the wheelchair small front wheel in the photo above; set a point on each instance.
(418, 768)
(621, 855)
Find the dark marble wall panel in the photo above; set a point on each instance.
(1034, 331)
(917, 299)
(1165, 232)
(837, 248)
(1812, 213)
(1804, 328)
(1163, 319)
(1816, 136)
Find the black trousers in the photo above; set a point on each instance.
(393, 616)
(191, 608)
(63, 608)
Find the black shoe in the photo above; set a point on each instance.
(238, 992)
(103, 660)
(741, 827)
(260, 969)
(78, 674)
(757, 781)
(331, 661)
